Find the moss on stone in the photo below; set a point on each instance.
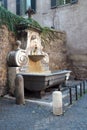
(12, 21)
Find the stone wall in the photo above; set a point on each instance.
(71, 18)
(54, 44)
(78, 65)
(6, 40)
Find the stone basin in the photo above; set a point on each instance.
(35, 58)
(39, 82)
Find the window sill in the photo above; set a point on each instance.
(59, 6)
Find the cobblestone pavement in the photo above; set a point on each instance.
(32, 116)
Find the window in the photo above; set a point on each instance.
(18, 12)
(33, 5)
(3, 3)
(55, 3)
(23, 5)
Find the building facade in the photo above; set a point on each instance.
(66, 15)
(70, 17)
(18, 7)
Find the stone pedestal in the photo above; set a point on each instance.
(57, 103)
(19, 90)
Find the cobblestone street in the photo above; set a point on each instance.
(32, 116)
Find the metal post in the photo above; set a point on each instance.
(70, 92)
(84, 87)
(76, 92)
(80, 89)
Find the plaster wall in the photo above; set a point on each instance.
(73, 20)
(70, 18)
(12, 6)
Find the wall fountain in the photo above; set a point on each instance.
(36, 73)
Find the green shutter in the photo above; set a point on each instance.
(18, 7)
(5, 4)
(60, 2)
(67, 1)
(33, 5)
(53, 3)
(73, 1)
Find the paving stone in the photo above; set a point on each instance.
(32, 116)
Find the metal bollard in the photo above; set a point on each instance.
(84, 85)
(19, 89)
(57, 103)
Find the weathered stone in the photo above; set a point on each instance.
(55, 45)
(57, 103)
(5, 47)
(19, 89)
(78, 65)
